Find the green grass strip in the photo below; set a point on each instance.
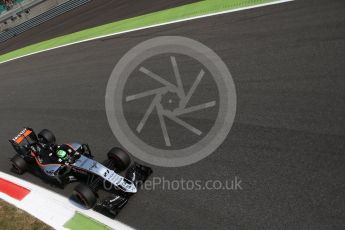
(164, 16)
(81, 222)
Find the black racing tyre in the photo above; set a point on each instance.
(120, 158)
(47, 137)
(85, 195)
(19, 164)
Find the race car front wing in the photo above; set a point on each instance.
(110, 206)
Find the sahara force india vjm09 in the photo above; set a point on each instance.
(66, 163)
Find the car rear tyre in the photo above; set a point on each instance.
(120, 158)
(47, 137)
(85, 195)
(19, 165)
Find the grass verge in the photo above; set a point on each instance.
(14, 218)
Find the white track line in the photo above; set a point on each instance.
(152, 26)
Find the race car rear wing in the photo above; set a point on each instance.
(26, 134)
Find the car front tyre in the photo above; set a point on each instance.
(85, 195)
(120, 158)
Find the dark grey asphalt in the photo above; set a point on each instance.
(287, 143)
(94, 13)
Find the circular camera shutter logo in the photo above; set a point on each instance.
(171, 102)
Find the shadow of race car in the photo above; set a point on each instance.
(67, 163)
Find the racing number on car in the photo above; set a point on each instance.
(106, 173)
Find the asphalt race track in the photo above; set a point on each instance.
(287, 142)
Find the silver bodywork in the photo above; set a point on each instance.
(50, 169)
(109, 175)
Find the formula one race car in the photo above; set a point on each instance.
(68, 163)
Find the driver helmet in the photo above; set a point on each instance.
(62, 154)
